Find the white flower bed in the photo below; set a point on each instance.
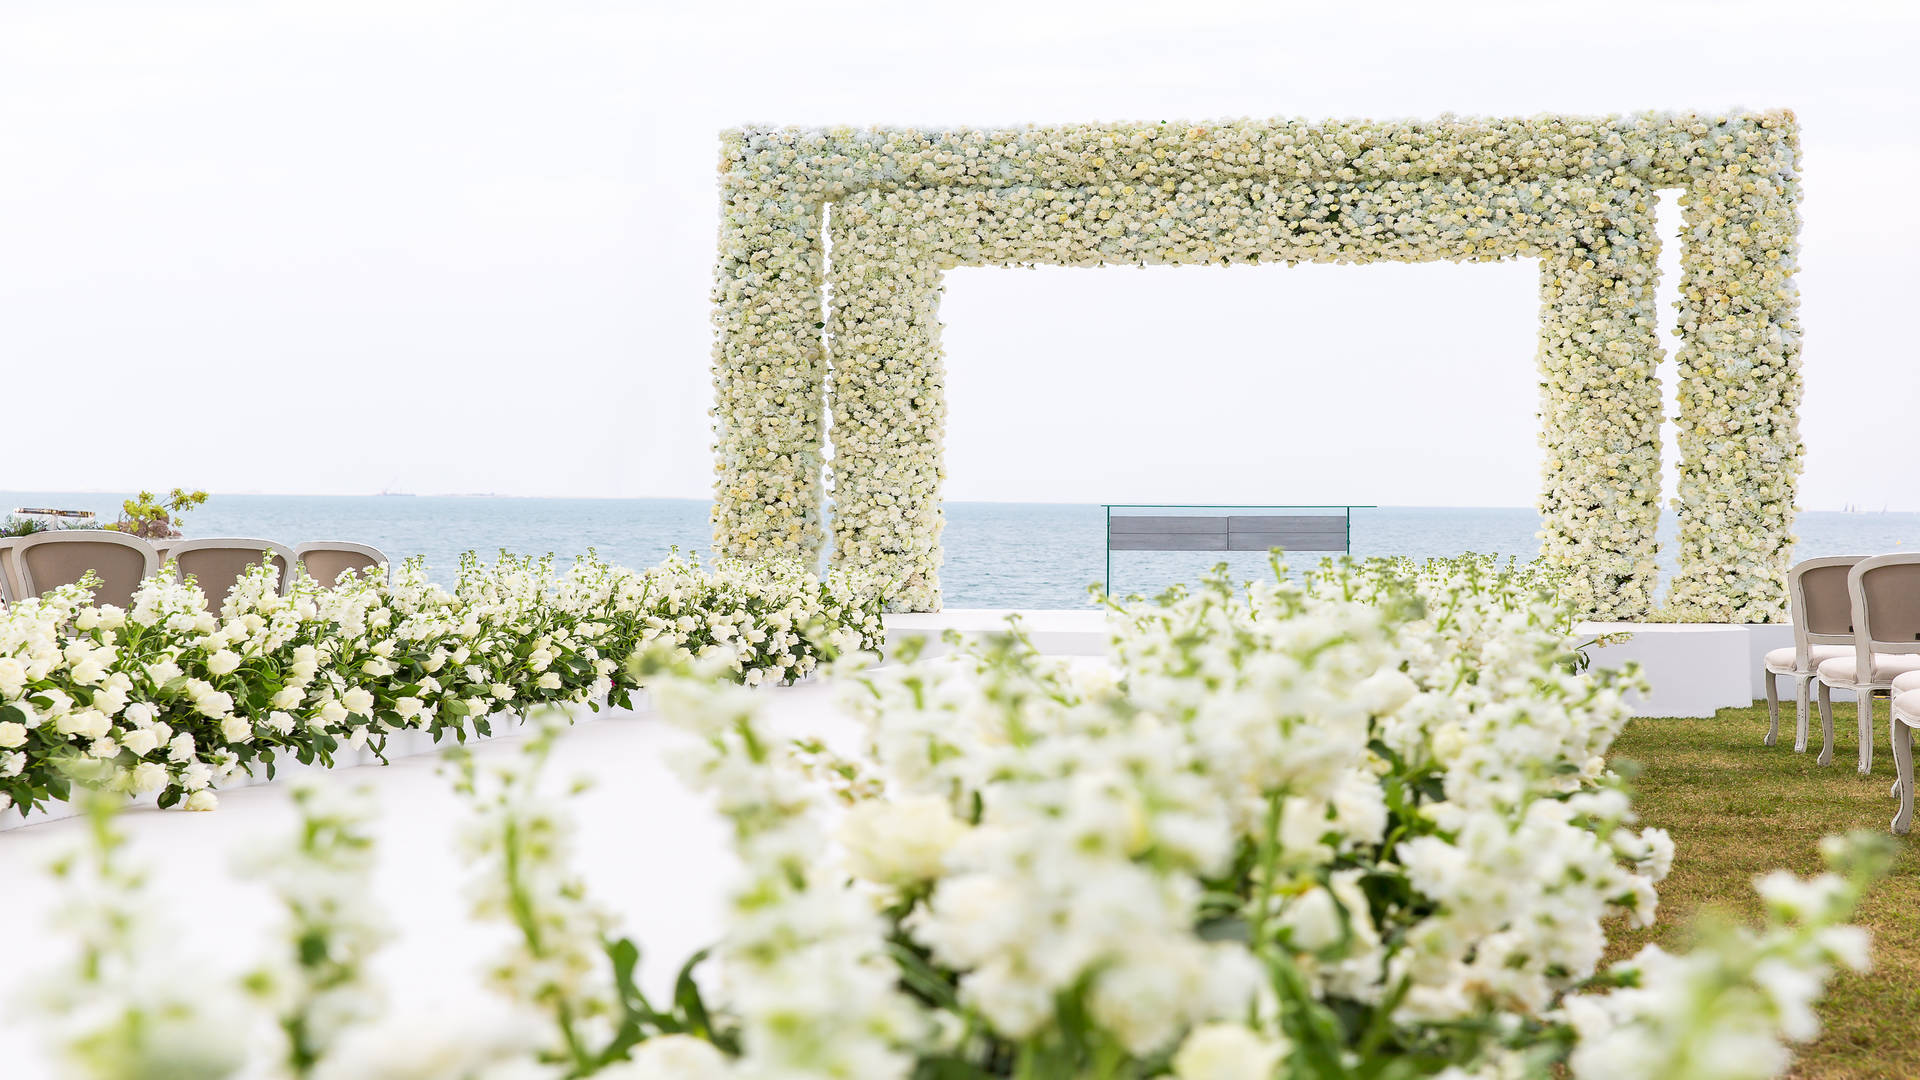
(1358, 829)
(1576, 193)
(171, 697)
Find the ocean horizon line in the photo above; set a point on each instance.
(14, 496)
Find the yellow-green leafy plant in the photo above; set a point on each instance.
(156, 517)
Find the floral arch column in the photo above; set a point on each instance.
(1575, 193)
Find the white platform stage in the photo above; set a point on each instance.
(1693, 669)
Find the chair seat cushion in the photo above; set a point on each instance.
(1906, 707)
(1909, 681)
(1886, 666)
(1781, 660)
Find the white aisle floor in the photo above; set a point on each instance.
(651, 851)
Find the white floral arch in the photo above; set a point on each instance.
(1577, 193)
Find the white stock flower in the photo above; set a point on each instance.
(671, 1057)
(1228, 1052)
(899, 842)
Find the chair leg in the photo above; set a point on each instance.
(1801, 708)
(1826, 725)
(1773, 708)
(1903, 764)
(1865, 699)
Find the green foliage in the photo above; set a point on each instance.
(154, 517)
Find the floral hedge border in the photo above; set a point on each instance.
(1577, 193)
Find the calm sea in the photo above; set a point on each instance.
(1028, 555)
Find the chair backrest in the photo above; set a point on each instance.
(218, 563)
(10, 588)
(49, 560)
(1886, 606)
(326, 560)
(1819, 603)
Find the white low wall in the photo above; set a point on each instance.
(1692, 669)
(1053, 632)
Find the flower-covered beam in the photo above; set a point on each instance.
(1575, 193)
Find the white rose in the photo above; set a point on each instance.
(548, 681)
(899, 842)
(110, 700)
(357, 700)
(671, 1057)
(287, 697)
(1383, 692)
(140, 740)
(223, 662)
(1228, 1052)
(213, 704)
(333, 714)
(201, 800)
(408, 707)
(12, 734)
(236, 729)
(196, 775)
(1312, 921)
(148, 776)
(79, 722)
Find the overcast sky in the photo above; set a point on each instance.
(340, 247)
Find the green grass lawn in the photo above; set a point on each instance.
(1737, 809)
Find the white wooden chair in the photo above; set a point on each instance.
(1822, 613)
(59, 557)
(326, 560)
(11, 590)
(1906, 717)
(217, 563)
(1885, 591)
